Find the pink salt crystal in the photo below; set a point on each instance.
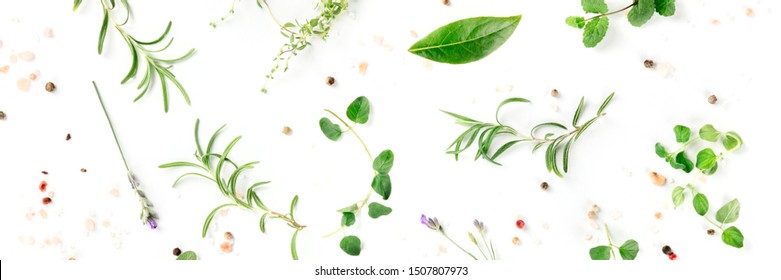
(12, 58)
(89, 224)
(545, 226)
(427, 65)
(48, 32)
(43, 213)
(442, 249)
(224, 212)
(47, 242)
(23, 84)
(30, 240)
(715, 22)
(5, 69)
(362, 67)
(413, 34)
(26, 55)
(226, 247)
(749, 13)
(114, 192)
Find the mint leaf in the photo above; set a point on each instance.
(732, 141)
(577, 22)
(600, 253)
(594, 6)
(629, 250)
(348, 219)
(729, 212)
(709, 133)
(382, 185)
(358, 111)
(706, 159)
(733, 237)
(351, 245)
(660, 151)
(595, 31)
(641, 12)
(678, 196)
(665, 7)
(377, 210)
(682, 133)
(330, 130)
(700, 204)
(383, 162)
(187, 256)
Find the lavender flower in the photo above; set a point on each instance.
(152, 223)
(431, 223)
(479, 225)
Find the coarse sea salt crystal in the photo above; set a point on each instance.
(23, 84)
(593, 224)
(26, 55)
(616, 215)
(48, 32)
(588, 236)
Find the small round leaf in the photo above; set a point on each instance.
(351, 245)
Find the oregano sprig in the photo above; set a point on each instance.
(228, 185)
(595, 27)
(144, 51)
(486, 249)
(707, 163)
(488, 133)
(628, 250)
(359, 112)
(148, 215)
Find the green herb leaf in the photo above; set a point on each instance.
(293, 206)
(706, 159)
(330, 130)
(629, 250)
(709, 133)
(506, 101)
(733, 237)
(382, 185)
(466, 40)
(605, 103)
(103, 30)
(76, 4)
(600, 253)
(641, 12)
(187, 256)
(678, 196)
(351, 208)
(472, 238)
(684, 163)
(595, 31)
(682, 133)
(729, 212)
(577, 22)
(660, 151)
(358, 111)
(665, 7)
(732, 141)
(210, 217)
(293, 250)
(377, 210)
(263, 223)
(578, 112)
(594, 6)
(700, 204)
(348, 219)
(351, 245)
(383, 162)
(711, 170)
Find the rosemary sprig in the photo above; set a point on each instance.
(228, 188)
(142, 50)
(489, 131)
(358, 112)
(148, 214)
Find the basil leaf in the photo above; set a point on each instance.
(706, 159)
(700, 204)
(682, 133)
(600, 253)
(351, 245)
(732, 237)
(377, 210)
(641, 12)
(330, 130)
(665, 7)
(466, 40)
(359, 109)
(729, 212)
(383, 162)
(629, 250)
(595, 31)
(709, 133)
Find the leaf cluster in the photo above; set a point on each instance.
(595, 27)
(628, 250)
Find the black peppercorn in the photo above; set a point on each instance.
(2, 115)
(177, 251)
(544, 186)
(50, 87)
(667, 250)
(711, 232)
(648, 63)
(330, 81)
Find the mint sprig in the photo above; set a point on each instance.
(595, 27)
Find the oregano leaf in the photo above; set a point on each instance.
(187, 256)
(683, 162)
(348, 219)
(359, 109)
(629, 250)
(709, 133)
(678, 196)
(351, 245)
(700, 203)
(377, 210)
(660, 151)
(729, 212)
(600, 253)
(732, 141)
(732, 237)
(330, 130)
(382, 185)
(706, 159)
(682, 133)
(383, 162)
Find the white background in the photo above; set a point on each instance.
(736, 60)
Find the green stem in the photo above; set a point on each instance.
(610, 243)
(111, 125)
(614, 12)
(365, 148)
(454, 243)
(714, 224)
(214, 23)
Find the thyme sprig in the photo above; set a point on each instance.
(142, 51)
(216, 174)
(487, 133)
(148, 215)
